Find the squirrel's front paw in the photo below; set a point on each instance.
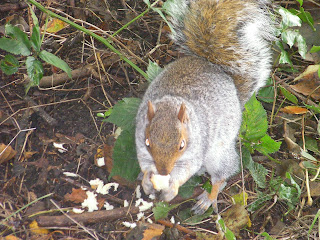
(204, 203)
(147, 184)
(169, 193)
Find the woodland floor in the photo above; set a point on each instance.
(30, 123)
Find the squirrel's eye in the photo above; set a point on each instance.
(182, 144)
(147, 142)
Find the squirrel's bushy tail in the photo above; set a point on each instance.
(235, 34)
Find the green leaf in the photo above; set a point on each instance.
(315, 49)
(14, 46)
(289, 19)
(316, 109)
(254, 123)
(227, 233)
(16, 34)
(262, 198)
(124, 113)
(266, 94)
(198, 218)
(267, 145)
(306, 17)
(257, 171)
(36, 37)
(302, 46)
(162, 209)
(125, 162)
(9, 65)
(153, 70)
(267, 236)
(284, 56)
(312, 144)
(289, 36)
(186, 190)
(300, 2)
(288, 95)
(55, 61)
(35, 70)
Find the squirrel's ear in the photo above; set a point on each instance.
(182, 115)
(150, 113)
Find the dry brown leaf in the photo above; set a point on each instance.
(77, 195)
(236, 218)
(6, 153)
(153, 230)
(309, 81)
(294, 110)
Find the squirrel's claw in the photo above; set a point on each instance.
(204, 203)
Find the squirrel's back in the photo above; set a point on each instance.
(234, 34)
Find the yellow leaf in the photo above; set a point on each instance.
(55, 25)
(238, 198)
(35, 228)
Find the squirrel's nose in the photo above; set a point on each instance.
(163, 171)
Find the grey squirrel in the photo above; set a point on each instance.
(191, 113)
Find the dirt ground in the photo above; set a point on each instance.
(67, 113)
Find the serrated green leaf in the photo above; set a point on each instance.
(24, 45)
(186, 190)
(35, 37)
(124, 156)
(257, 171)
(9, 65)
(266, 94)
(254, 121)
(55, 61)
(34, 70)
(153, 70)
(267, 145)
(289, 19)
(124, 113)
(14, 46)
(162, 209)
(288, 95)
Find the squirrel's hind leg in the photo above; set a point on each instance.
(206, 199)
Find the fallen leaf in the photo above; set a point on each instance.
(294, 110)
(35, 228)
(236, 218)
(309, 81)
(6, 153)
(77, 195)
(55, 25)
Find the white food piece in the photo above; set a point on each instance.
(91, 202)
(140, 215)
(108, 206)
(152, 196)
(143, 205)
(60, 147)
(70, 174)
(129, 225)
(105, 188)
(125, 203)
(77, 210)
(100, 162)
(160, 182)
(138, 192)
